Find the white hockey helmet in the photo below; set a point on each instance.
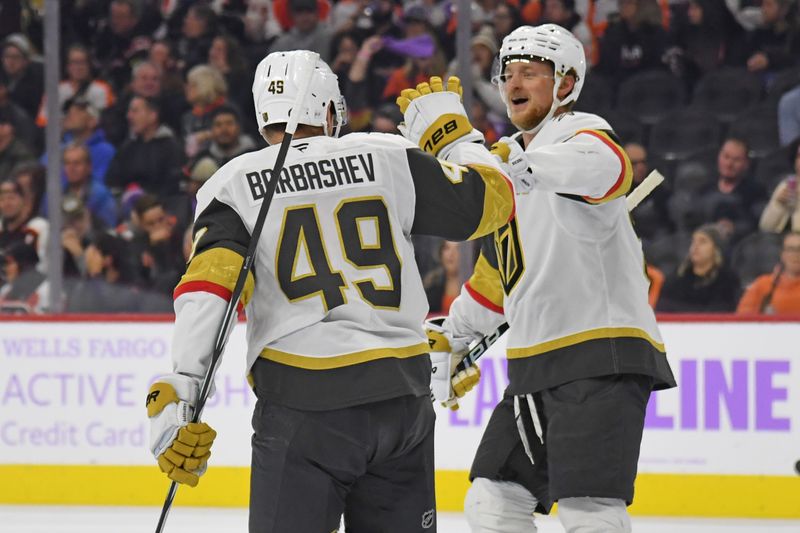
(275, 89)
(548, 42)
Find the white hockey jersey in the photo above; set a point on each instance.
(568, 273)
(336, 304)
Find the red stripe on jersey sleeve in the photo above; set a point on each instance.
(483, 300)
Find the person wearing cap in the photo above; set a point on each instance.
(484, 49)
(13, 152)
(81, 126)
(23, 289)
(23, 76)
(703, 283)
(308, 31)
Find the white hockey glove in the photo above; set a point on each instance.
(446, 352)
(514, 163)
(181, 447)
(434, 116)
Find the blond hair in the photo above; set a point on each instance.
(209, 83)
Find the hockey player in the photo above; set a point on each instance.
(567, 274)
(343, 422)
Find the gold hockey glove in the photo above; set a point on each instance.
(434, 116)
(182, 448)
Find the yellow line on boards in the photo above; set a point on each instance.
(656, 494)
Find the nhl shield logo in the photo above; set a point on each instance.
(427, 518)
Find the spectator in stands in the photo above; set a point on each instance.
(226, 55)
(651, 217)
(386, 118)
(735, 200)
(24, 77)
(443, 284)
(709, 38)
(308, 32)
(13, 151)
(81, 127)
(80, 227)
(484, 49)
(152, 157)
(18, 224)
(789, 116)
(703, 282)
(206, 91)
(418, 68)
(94, 195)
(199, 29)
(25, 290)
(633, 43)
(505, 19)
(146, 82)
(227, 139)
(108, 286)
(656, 278)
(24, 128)
(121, 42)
(777, 293)
(165, 58)
(159, 247)
(32, 180)
(79, 84)
(776, 44)
(562, 12)
(783, 206)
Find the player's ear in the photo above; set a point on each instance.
(566, 86)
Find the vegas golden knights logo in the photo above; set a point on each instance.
(510, 262)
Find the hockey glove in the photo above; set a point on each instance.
(446, 352)
(181, 447)
(514, 162)
(434, 116)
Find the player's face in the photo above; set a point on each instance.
(529, 92)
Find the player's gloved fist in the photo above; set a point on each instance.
(434, 116)
(446, 353)
(181, 447)
(513, 161)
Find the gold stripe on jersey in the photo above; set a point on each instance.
(339, 361)
(498, 200)
(216, 267)
(583, 336)
(486, 281)
(625, 178)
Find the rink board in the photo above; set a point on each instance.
(73, 427)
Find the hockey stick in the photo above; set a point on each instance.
(305, 73)
(653, 180)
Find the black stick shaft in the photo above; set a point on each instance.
(230, 310)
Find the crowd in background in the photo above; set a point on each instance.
(156, 96)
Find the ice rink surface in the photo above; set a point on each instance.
(53, 519)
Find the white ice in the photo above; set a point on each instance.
(79, 519)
